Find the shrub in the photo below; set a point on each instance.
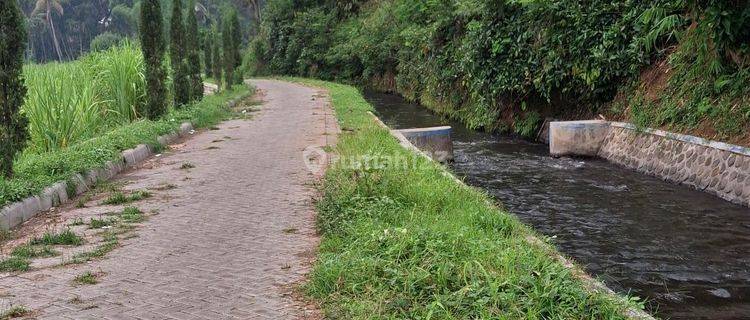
(178, 55)
(228, 53)
(13, 123)
(105, 41)
(193, 54)
(152, 45)
(218, 63)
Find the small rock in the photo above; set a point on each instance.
(721, 293)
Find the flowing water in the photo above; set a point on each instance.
(686, 252)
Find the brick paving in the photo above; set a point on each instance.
(230, 239)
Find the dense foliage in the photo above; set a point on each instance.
(153, 47)
(77, 23)
(208, 51)
(227, 52)
(218, 64)
(178, 49)
(193, 54)
(703, 85)
(493, 64)
(13, 123)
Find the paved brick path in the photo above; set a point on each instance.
(229, 242)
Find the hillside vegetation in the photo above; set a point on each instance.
(507, 65)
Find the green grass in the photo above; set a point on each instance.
(86, 278)
(412, 243)
(101, 223)
(38, 170)
(14, 264)
(132, 215)
(30, 251)
(121, 198)
(110, 243)
(14, 312)
(66, 237)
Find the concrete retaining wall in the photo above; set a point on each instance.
(714, 167)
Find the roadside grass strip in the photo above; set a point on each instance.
(409, 242)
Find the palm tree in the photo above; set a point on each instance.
(48, 6)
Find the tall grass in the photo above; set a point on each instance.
(121, 79)
(62, 105)
(70, 102)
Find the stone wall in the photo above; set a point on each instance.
(717, 168)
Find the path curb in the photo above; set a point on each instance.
(16, 213)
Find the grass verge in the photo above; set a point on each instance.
(407, 241)
(14, 312)
(36, 171)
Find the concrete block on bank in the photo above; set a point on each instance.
(4, 219)
(62, 192)
(435, 141)
(46, 199)
(185, 129)
(79, 183)
(129, 157)
(136, 155)
(12, 215)
(31, 206)
(577, 138)
(91, 177)
(167, 139)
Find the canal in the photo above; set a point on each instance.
(684, 251)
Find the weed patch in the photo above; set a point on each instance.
(121, 198)
(101, 223)
(87, 278)
(14, 264)
(110, 243)
(132, 215)
(30, 251)
(66, 237)
(14, 312)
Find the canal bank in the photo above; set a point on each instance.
(408, 241)
(683, 250)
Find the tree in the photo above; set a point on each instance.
(153, 47)
(208, 50)
(255, 11)
(236, 42)
(177, 55)
(48, 6)
(194, 54)
(13, 124)
(217, 63)
(228, 53)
